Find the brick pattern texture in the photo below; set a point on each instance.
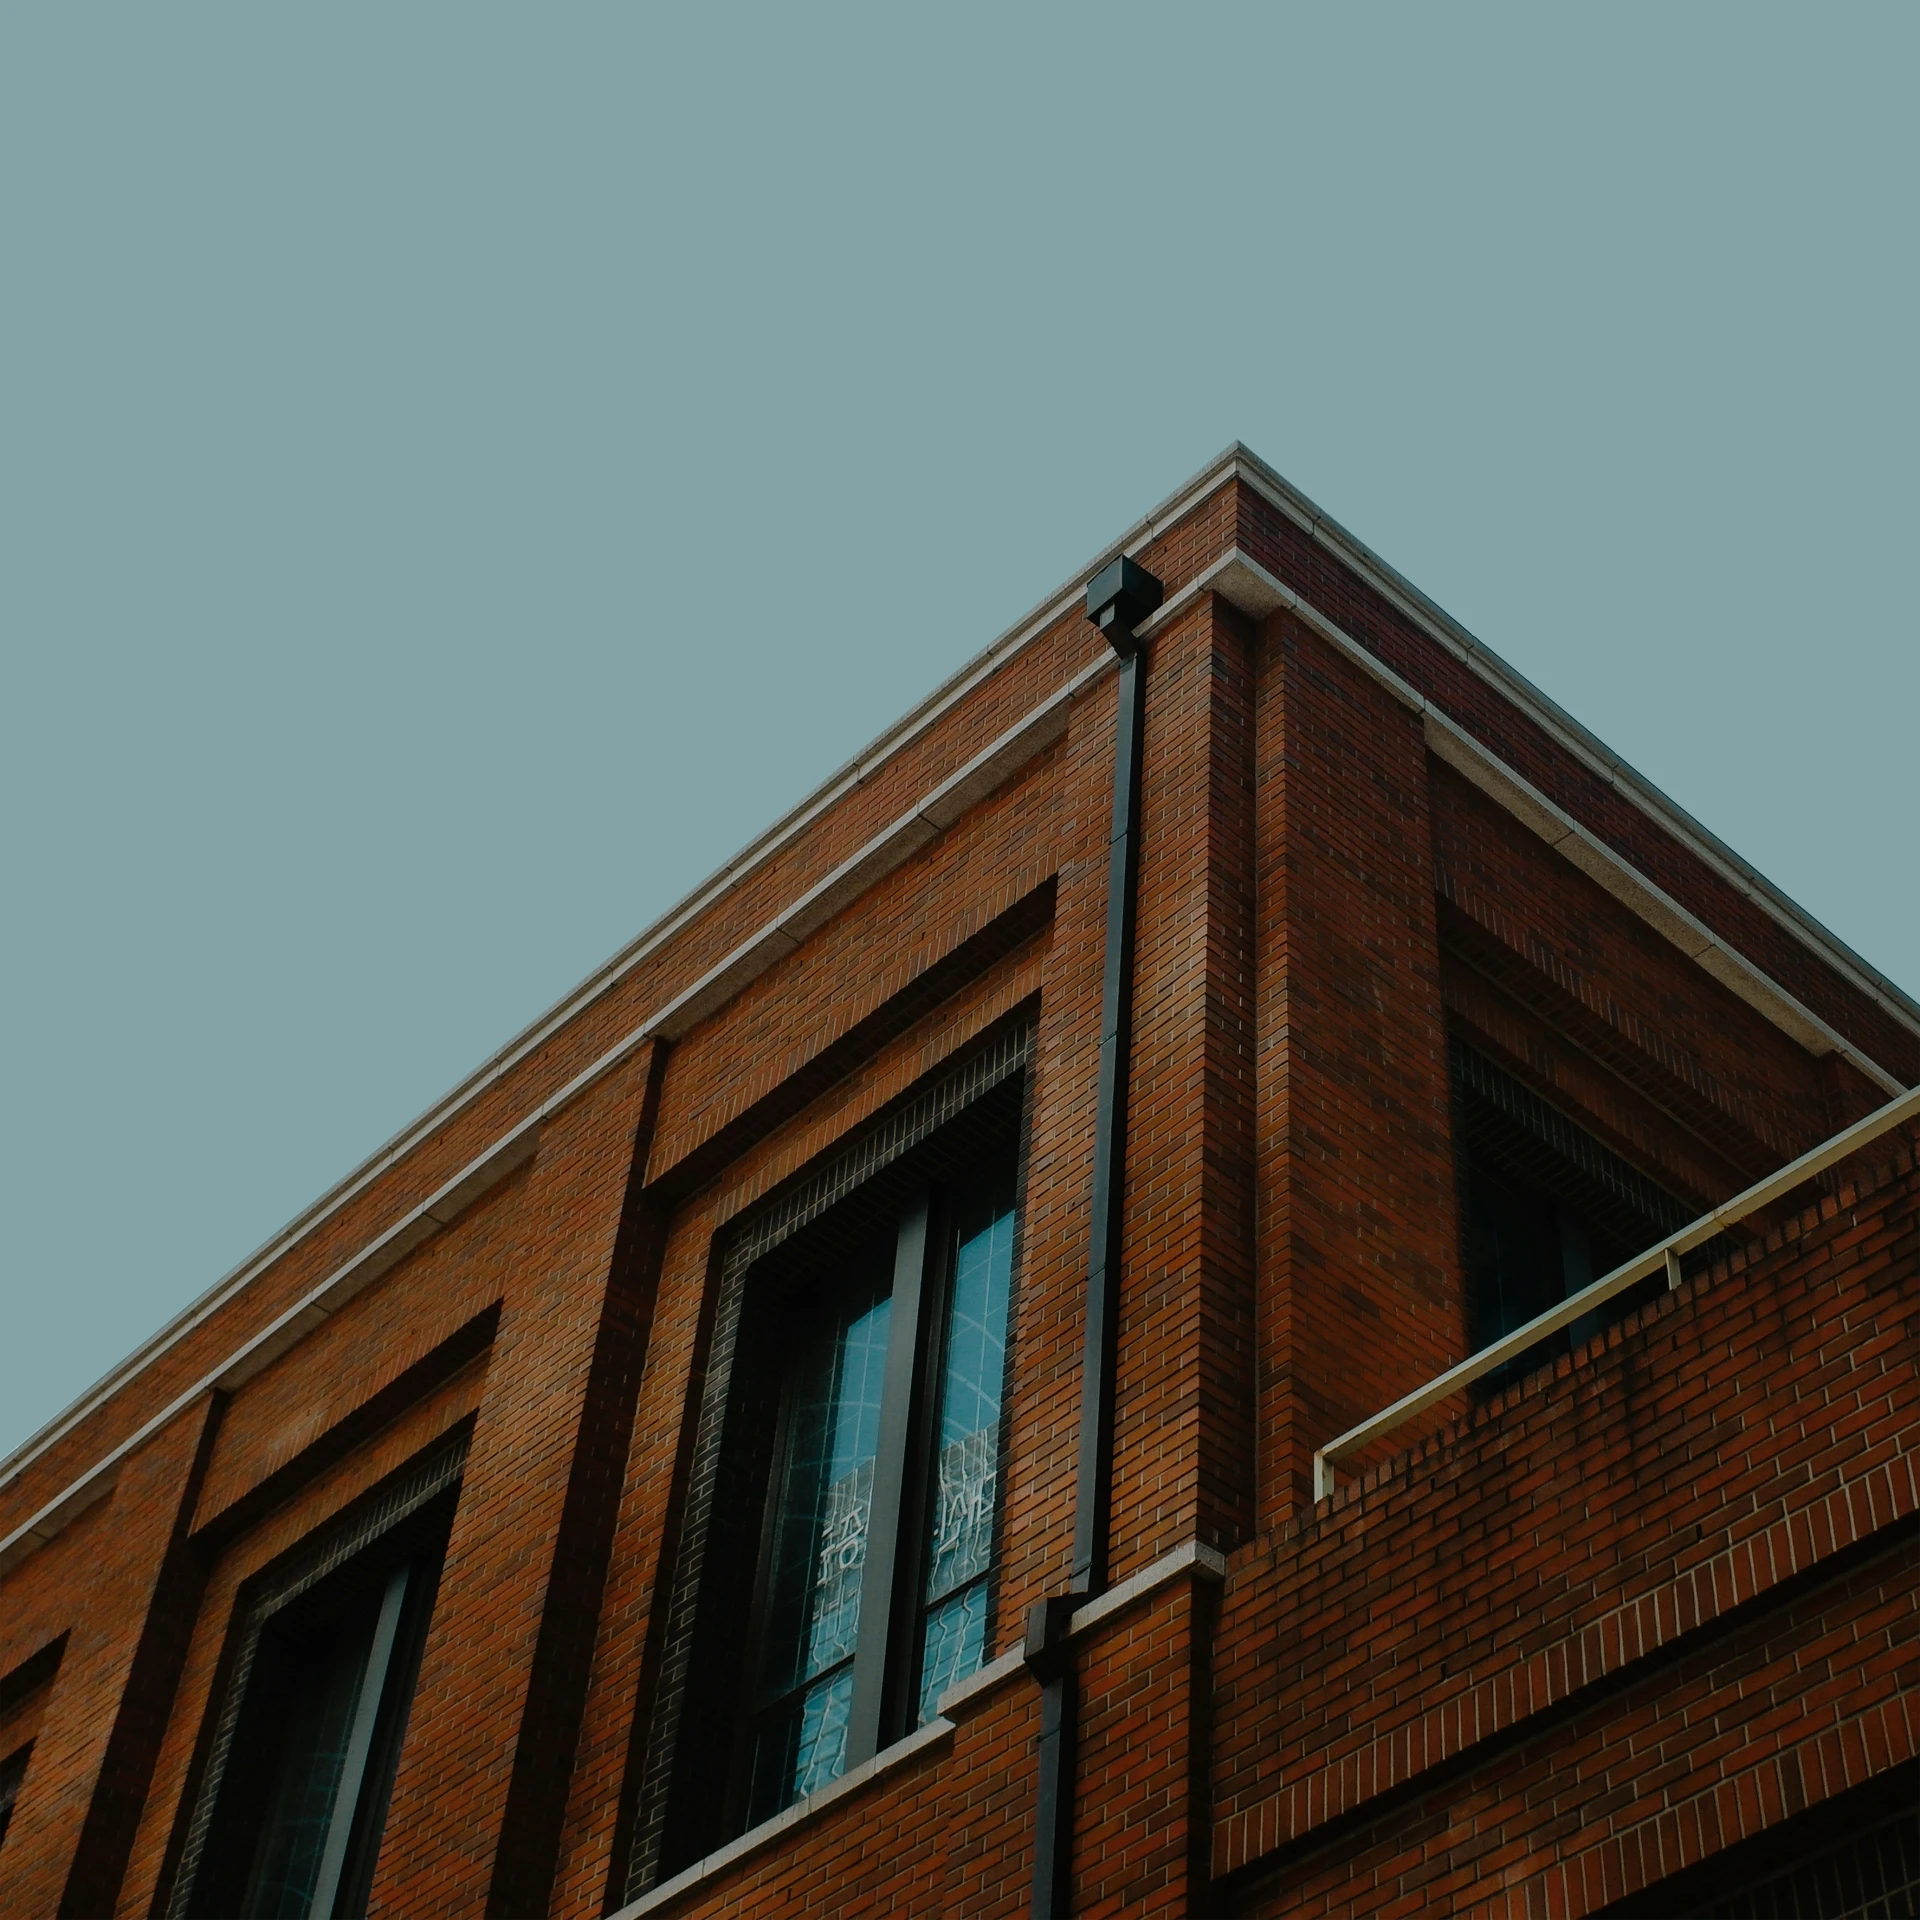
(1362, 1296)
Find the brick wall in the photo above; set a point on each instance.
(281, 1533)
(1361, 1296)
(1320, 905)
(1533, 933)
(1183, 1459)
(1706, 1524)
(94, 1753)
(1526, 744)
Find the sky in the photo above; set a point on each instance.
(465, 470)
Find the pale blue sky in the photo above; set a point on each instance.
(464, 471)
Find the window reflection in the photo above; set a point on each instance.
(819, 1554)
(873, 1593)
(965, 1502)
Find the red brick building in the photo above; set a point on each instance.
(840, 1416)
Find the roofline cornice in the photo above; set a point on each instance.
(1235, 462)
(1567, 732)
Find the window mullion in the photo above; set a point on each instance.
(880, 1623)
(366, 1710)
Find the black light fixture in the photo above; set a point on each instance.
(1119, 597)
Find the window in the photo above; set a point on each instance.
(834, 1569)
(876, 1567)
(821, 1524)
(955, 1599)
(289, 1824)
(319, 1737)
(1545, 1210)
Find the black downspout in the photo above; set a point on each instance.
(1119, 597)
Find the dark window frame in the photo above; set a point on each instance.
(887, 1667)
(1585, 1207)
(972, 1104)
(386, 1529)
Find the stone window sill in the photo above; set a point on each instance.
(935, 1733)
(1190, 1559)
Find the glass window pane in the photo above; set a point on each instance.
(823, 1506)
(801, 1745)
(966, 1477)
(312, 1752)
(956, 1642)
(1512, 1254)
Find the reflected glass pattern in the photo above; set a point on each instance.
(819, 1550)
(965, 1494)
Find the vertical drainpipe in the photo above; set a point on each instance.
(1119, 597)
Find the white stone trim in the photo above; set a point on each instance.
(1251, 588)
(313, 1309)
(855, 773)
(724, 1859)
(1238, 579)
(964, 1695)
(1190, 1557)
(891, 847)
(932, 814)
(1569, 734)
(1651, 903)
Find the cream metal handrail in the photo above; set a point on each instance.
(1665, 1253)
